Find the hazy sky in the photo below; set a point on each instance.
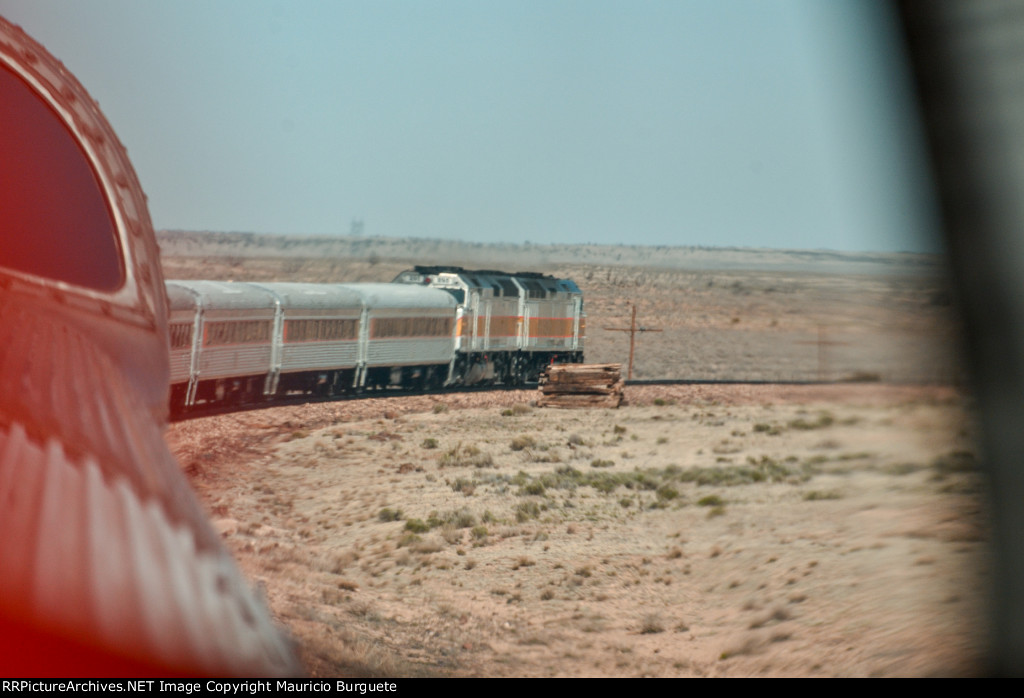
(774, 123)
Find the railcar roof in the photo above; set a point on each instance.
(226, 295)
(314, 296)
(377, 295)
(179, 297)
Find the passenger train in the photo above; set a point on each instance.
(109, 565)
(432, 327)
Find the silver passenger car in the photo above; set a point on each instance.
(317, 338)
(183, 324)
(241, 342)
(231, 337)
(407, 335)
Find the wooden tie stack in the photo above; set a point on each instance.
(581, 385)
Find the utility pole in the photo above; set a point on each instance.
(823, 344)
(632, 329)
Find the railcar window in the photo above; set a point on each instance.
(238, 332)
(459, 294)
(181, 335)
(56, 220)
(320, 330)
(392, 328)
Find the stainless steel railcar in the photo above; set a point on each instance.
(409, 335)
(242, 342)
(318, 338)
(220, 340)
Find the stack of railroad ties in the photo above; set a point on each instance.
(581, 385)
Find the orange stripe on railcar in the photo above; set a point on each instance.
(501, 326)
(551, 327)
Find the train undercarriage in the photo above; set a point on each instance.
(479, 369)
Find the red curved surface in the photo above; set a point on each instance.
(108, 564)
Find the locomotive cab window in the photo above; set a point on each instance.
(56, 220)
(458, 294)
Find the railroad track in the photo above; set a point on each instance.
(212, 410)
(306, 399)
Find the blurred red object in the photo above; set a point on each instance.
(108, 564)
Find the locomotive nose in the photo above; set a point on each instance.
(76, 231)
(108, 565)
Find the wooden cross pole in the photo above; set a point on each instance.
(823, 344)
(632, 329)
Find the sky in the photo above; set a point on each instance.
(786, 124)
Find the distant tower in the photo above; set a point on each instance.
(356, 229)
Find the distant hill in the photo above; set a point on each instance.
(510, 256)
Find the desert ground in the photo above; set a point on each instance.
(700, 530)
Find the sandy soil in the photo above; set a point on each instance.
(700, 531)
(711, 530)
